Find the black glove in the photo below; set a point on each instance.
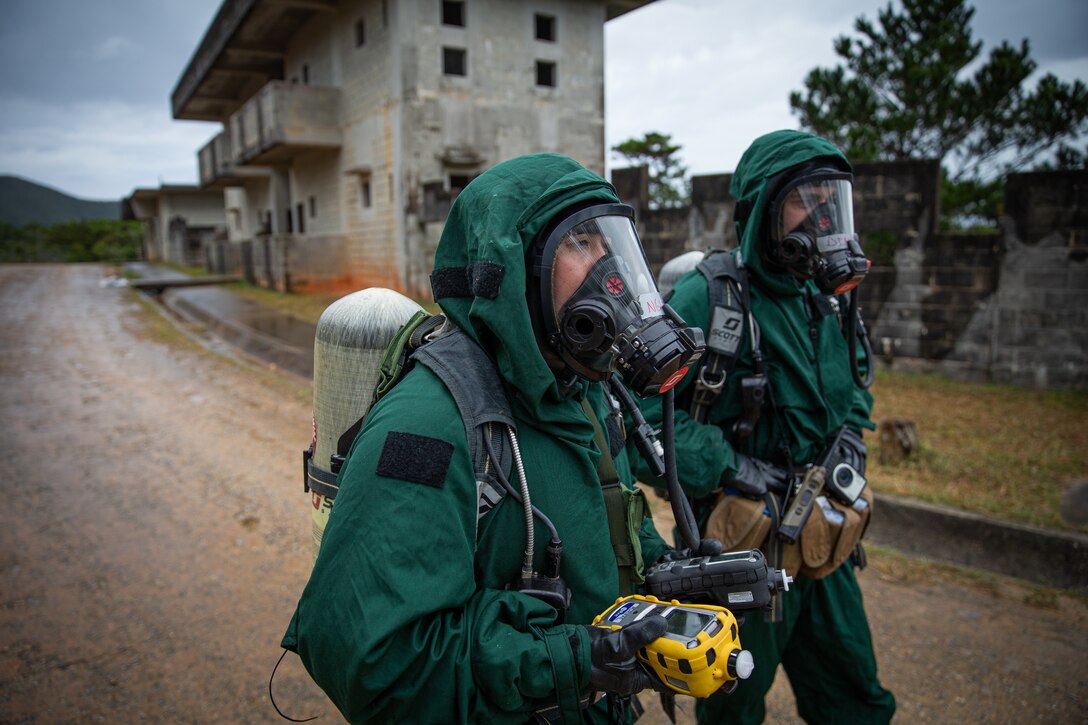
(754, 477)
(614, 667)
(707, 547)
(851, 450)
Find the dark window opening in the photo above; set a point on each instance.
(364, 193)
(545, 27)
(360, 32)
(453, 13)
(458, 182)
(305, 73)
(301, 220)
(545, 73)
(454, 61)
(313, 206)
(290, 221)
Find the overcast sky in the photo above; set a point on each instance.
(85, 84)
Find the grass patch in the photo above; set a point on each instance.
(303, 306)
(997, 449)
(890, 564)
(190, 271)
(150, 323)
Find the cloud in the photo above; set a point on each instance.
(98, 149)
(112, 47)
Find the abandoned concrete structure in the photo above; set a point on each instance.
(350, 126)
(1009, 306)
(179, 221)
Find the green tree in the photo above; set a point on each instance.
(904, 92)
(668, 187)
(103, 240)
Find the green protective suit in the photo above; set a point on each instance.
(405, 617)
(824, 641)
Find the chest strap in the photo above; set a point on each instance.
(623, 507)
(727, 292)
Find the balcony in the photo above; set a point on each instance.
(217, 167)
(284, 120)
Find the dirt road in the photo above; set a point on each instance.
(154, 538)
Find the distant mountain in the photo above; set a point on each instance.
(25, 202)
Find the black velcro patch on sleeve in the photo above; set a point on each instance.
(415, 458)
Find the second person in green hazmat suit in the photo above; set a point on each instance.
(788, 184)
(408, 615)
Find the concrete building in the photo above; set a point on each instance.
(179, 221)
(350, 126)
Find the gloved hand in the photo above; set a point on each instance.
(754, 477)
(851, 450)
(614, 667)
(707, 547)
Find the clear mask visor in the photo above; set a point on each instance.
(823, 208)
(603, 258)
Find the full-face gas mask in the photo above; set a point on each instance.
(811, 230)
(597, 307)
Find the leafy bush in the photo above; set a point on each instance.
(78, 241)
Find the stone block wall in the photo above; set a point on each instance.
(1009, 307)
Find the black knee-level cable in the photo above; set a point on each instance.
(273, 699)
(854, 324)
(681, 507)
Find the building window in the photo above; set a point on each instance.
(458, 182)
(545, 27)
(305, 73)
(360, 32)
(454, 61)
(313, 207)
(364, 193)
(301, 219)
(453, 13)
(545, 73)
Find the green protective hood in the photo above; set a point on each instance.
(493, 221)
(767, 157)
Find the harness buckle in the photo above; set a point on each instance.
(716, 385)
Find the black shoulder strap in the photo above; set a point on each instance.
(474, 382)
(727, 291)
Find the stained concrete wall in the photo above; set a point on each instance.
(409, 134)
(1009, 307)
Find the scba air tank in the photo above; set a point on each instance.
(352, 336)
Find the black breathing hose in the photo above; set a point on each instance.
(853, 324)
(681, 508)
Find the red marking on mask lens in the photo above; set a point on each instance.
(673, 380)
(614, 285)
(824, 223)
(846, 286)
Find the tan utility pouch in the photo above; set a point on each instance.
(741, 523)
(831, 533)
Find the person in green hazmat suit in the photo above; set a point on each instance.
(412, 613)
(735, 455)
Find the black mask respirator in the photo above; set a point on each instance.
(598, 308)
(811, 231)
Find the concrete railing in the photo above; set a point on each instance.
(283, 119)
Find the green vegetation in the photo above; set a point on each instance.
(913, 86)
(998, 449)
(78, 241)
(668, 188)
(303, 306)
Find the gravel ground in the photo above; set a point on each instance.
(154, 538)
